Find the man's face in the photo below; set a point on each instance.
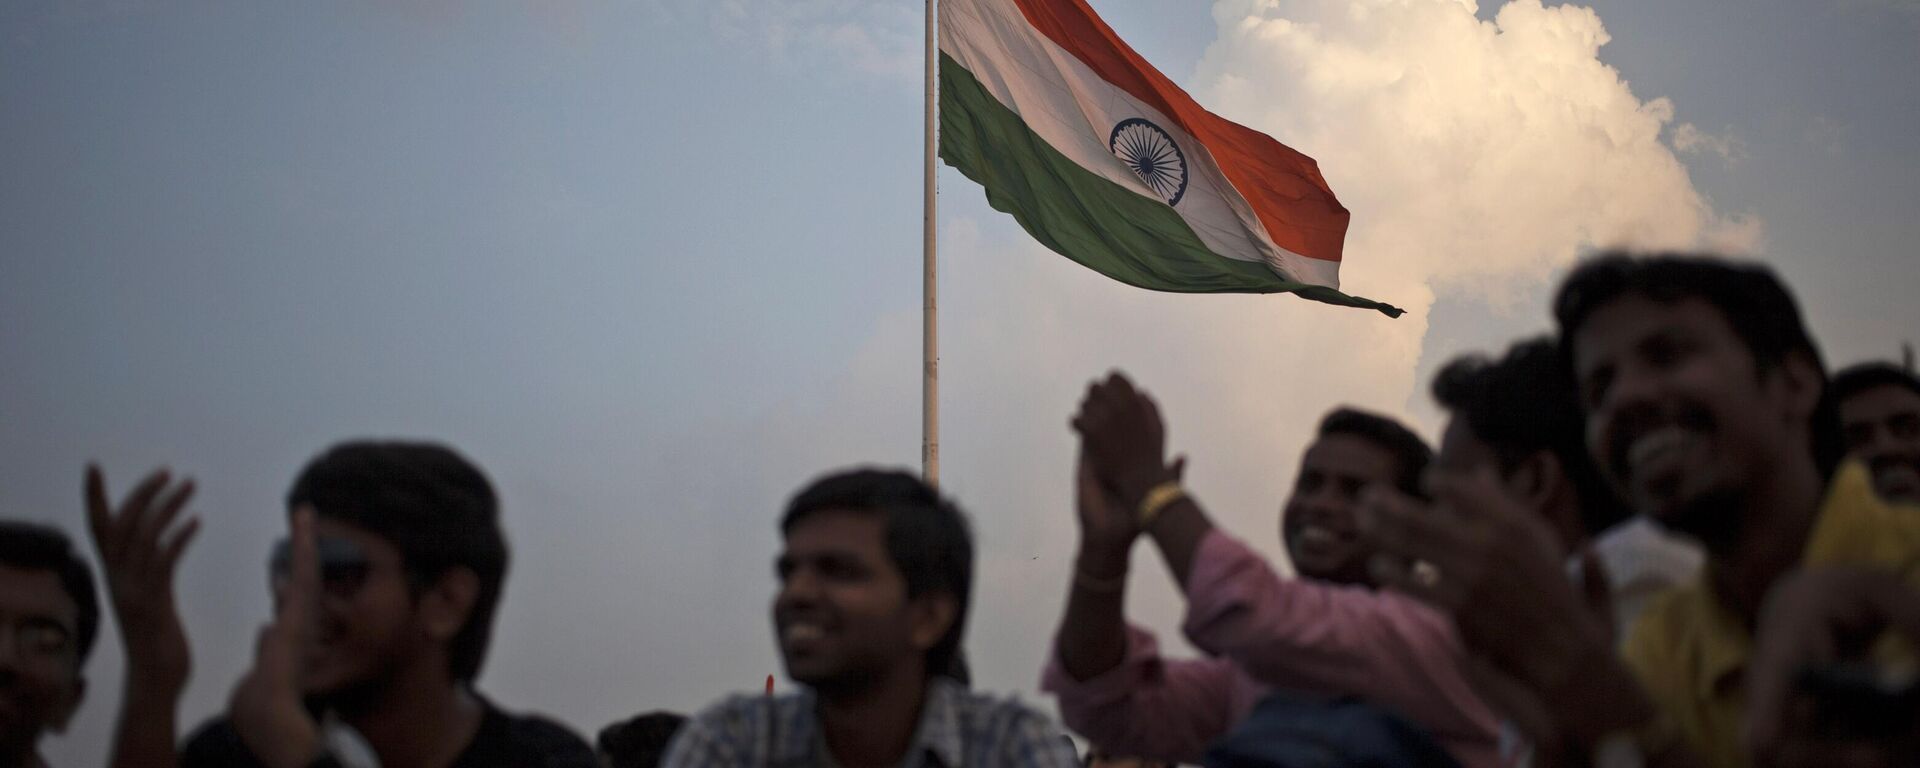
(842, 616)
(366, 629)
(1317, 523)
(1678, 415)
(1882, 428)
(40, 682)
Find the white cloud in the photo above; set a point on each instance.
(1466, 149)
(1690, 139)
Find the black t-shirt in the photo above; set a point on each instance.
(503, 741)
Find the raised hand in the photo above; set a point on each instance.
(140, 543)
(1104, 524)
(1485, 558)
(1482, 557)
(266, 707)
(1820, 616)
(1123, 440)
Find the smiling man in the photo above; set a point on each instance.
(1520, 416)
(1704, 407)
(874, 586)
(1328, 635)
(385, 594)
(1704, 401)
(1353, 450)
(1880, 419)
(50, 614)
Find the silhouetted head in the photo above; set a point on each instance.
(1520, 416)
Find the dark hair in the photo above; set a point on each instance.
(1860, 377)
(927, 537)
(958, 670)
(433, 505)
(35, 547)
(1524, 403)
(1753, 300)
(1410, 453)
(640, 741)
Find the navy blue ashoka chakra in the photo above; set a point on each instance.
(1151, 154)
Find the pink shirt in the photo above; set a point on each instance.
(1299, 634)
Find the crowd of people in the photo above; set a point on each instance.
(1661, 536)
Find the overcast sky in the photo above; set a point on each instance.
(654, 264)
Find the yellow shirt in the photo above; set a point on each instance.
(1690, 652)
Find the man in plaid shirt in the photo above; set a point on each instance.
(874, 586)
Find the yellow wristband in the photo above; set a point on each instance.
(1157, 501)
(1091, 583)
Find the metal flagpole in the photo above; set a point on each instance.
(929, 338)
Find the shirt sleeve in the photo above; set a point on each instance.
(1382, 647)
(1035, 742)
(1148, 706)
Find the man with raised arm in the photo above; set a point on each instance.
(1329, 633)
(384, 597)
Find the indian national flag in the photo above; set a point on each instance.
(1107, 162)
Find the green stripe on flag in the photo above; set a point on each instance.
(1106, 227)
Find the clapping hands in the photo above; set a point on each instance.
(1123, 441)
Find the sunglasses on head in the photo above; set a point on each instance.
(343, 565)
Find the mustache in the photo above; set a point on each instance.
(1688, 415)
(1884, 463)
(811, 614)
(1890, 460)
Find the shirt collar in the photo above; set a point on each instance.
(939, 734)
(1843, 527)
(940, 730)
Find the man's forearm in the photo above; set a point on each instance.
(1178, 532)
(144, 737)
(1093, 631)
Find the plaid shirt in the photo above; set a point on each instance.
(958, 729)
